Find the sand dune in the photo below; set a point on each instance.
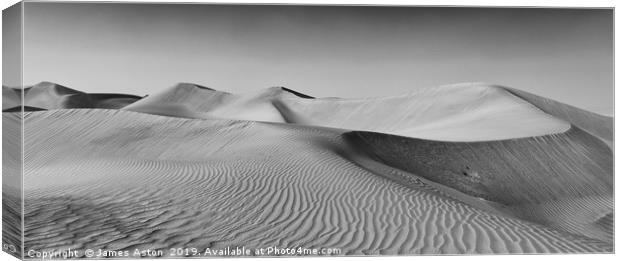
(596, 124)
(461, 112)
(459, 169)
(152, 181)
(195, 101)
(51, 96)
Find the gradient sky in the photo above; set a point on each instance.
(564, 54)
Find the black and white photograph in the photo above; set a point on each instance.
(212, 130)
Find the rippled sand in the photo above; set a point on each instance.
(125, 180)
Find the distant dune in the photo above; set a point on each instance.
(195, 101)
(462, 112)
(51, 96)
(457, 169)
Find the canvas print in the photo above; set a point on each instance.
(142, 130)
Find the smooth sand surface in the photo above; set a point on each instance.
(119, 180)
(459, 112)
(457, 169)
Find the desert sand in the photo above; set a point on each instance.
(456, 169)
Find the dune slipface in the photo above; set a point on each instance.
(458, 169)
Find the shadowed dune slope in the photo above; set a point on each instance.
(547, 167)
(24, 108)
(537, 177)
(125, 180)
(111, 100)
(461, 112)
(51, 96)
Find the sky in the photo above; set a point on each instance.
(336, 51)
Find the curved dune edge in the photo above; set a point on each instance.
(217, 183)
